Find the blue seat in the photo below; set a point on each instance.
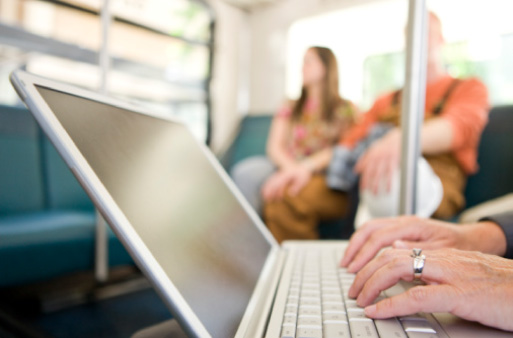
(47, 221)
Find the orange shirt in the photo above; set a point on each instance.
(466, 109)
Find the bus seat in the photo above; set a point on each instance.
(495, 175)
(47, 221)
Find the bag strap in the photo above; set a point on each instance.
(440, 105)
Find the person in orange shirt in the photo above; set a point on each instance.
(456, 112)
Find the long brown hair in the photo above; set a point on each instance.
(330, 99)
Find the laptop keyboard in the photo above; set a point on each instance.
(318, 306)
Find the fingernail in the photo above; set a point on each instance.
(370, 310)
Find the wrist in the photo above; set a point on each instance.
(309, 165)
(287, 164)
(486, 237)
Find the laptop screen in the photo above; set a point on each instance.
(175, 200)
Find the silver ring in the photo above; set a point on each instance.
(418, 263)
(416, 252)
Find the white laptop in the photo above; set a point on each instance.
(205, 251)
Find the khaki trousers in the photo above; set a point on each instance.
(298, 217)
(453, 180)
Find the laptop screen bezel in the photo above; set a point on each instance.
(26, 86)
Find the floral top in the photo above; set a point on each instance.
(310, 133)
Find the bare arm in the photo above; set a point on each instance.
(318, 161)
(277, 143)
(436, 136)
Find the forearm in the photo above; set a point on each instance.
(436, 136)
(318, 161)
(504, 221)
(280, 157)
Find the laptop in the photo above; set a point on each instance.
(204, 250)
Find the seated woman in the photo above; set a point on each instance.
(289, 186)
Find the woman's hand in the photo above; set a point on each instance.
(409, 232)
(289, 180)
(471, 285)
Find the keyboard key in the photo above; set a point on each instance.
(291, 308)
(336, 331)
(288, 332)
(351, 304)
(422, 335)
(334, 317)
(389, 328)
(309, 321)
(331, 298)
(289, 320)
(338, 303)
(310, 293)
(416, 316)
(363, 329)
(310, 302)
(304, 332)
(357, 315)
(333, 307)
(417, 326)
(310, 311)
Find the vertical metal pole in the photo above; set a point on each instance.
(413, 103)
(101, 236)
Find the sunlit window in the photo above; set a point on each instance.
(368, 41)
(160, 50)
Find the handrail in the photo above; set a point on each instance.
(412, 111)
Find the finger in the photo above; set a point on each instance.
(275, 186)
(361, 236)
(425, 245)
(386, 276)
(368, 270)
(280, 191)
(266, 191)
(380, 239)
(270, 190)
(428, 298)
(361, 163)
(296, 186)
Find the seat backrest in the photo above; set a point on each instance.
(21, 177)
(33, 176)
(495, 175)
(62, 188)
(250, 141)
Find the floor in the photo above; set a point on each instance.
(101, 314)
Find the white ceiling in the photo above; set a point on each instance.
(249, 4)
